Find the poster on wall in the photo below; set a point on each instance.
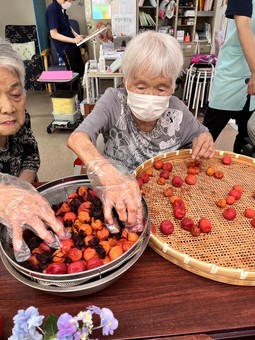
(101, 9)
(123, 17)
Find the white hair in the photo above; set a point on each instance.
(156, 54)
(9, 59)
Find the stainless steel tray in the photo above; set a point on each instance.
(93, 286)
(55, 192)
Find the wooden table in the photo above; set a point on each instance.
(154, 299)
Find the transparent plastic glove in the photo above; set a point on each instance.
(21, 206)
(117, 188)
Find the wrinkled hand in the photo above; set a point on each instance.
(203, 146)
(117, 188)
(21, 206)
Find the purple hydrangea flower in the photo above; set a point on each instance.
(26, 323)
(85, 322)
(108, 321)
(67, 326)
(94, 309)
(77, 336)
(81, 335)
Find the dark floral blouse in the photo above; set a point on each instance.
(22, 152)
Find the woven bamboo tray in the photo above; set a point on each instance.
(227, 254)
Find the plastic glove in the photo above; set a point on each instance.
(117, 188)
(21, 206)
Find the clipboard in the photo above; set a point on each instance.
(92, 35)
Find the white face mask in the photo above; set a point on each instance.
(147, 108)
(66, 5)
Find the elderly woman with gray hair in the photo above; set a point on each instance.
(138, 122)
(19, 155)
(20, 204)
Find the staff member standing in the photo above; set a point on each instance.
(235, 64)
(63, 35)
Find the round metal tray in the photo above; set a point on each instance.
(93, 286)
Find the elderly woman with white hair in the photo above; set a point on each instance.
(138, 122)
(20, 204)
(19, 155)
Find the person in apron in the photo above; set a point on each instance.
(233, 88)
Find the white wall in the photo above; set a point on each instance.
(16, 12)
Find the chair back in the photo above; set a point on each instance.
(197, 85)
(54, 53)
(22, 34)
(75, 25)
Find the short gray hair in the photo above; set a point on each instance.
(157, 54)
(10, 59)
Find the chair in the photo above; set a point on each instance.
(197, 86)
(24, 40)
(249, 148)
(52, 61)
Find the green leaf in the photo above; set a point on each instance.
(50, 327)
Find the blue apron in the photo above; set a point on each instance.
(229, 90)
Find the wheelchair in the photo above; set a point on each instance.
(249, 148)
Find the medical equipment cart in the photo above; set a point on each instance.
(66, 108)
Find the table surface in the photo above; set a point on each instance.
(153, 299)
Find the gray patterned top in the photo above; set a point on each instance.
(175, 129)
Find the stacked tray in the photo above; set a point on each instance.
(83, 283)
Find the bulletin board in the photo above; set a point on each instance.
(123, 17)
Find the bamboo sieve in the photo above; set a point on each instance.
(227, 254)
